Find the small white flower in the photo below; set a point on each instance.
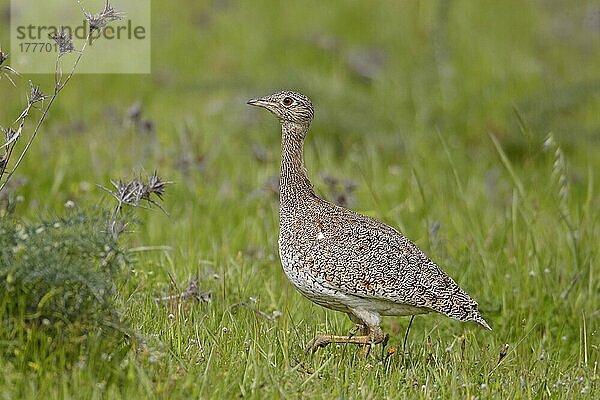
(585, 389)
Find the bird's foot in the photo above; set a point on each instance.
(319, 341)
(374, 336)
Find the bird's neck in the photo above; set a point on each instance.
(294, 185)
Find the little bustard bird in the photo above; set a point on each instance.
(346, 261)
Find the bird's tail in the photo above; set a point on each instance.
(464, 308)
(479, 319)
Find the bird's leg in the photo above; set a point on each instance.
(374, 336)
(364, 331)
(406, 335)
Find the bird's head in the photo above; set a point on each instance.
(288, 107)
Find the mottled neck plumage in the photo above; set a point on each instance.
(294, 185)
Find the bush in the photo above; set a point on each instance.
(58, 278)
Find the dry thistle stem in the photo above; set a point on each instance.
(35, 94)
(9, 135)
(192, 292)
(100, 20)
(156, 185)
(5, 70)
(63, 40)
(132, 192)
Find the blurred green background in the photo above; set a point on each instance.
(393, 75)
(430, 115)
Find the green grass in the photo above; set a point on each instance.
(446, 142)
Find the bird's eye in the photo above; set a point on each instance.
(287, 101)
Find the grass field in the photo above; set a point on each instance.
(474, 127)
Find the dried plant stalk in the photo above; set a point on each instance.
(36, 97)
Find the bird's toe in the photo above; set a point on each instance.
(318, 341)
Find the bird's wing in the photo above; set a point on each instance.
(370, 259)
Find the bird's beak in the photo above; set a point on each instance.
(258, 102)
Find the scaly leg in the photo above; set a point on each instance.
(374, 336)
